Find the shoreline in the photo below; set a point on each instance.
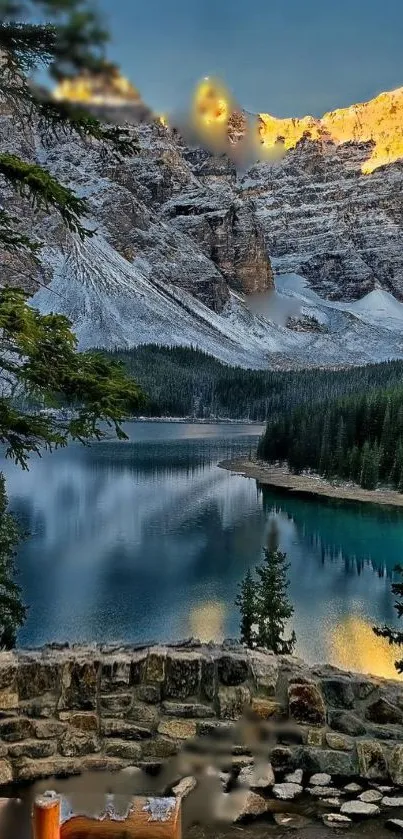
(281, 478)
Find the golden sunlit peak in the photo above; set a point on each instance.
(108, 87)
(211, 105)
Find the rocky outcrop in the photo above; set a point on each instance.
(65, 710)
(323, 218)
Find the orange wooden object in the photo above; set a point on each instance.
(46, 817)
(148, 818)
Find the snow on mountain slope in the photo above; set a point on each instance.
(114, 303)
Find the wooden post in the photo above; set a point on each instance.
(46, 817)
(147, 818)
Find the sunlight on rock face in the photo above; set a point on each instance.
(354, 646)
(207, 621)
(211, 110)
(97, 89)
(379, 121)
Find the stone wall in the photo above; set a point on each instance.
(66, 710)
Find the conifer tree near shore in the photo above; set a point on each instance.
(393, 636)
(265, 598)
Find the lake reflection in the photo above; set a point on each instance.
(147, 540)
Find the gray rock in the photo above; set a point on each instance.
(336, 820)
(370, 796)
(392, 802)
(359, 809)
(338, 692)
(294, 777)
(320, 779)
(322, 792)
(346, 722)
(287, 792)
(352, 788)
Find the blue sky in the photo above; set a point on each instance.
(288, 57)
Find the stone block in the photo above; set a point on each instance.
(27, 769)
(265, 670)
(382, 711)
(46, 729)
(8, 672)
(187, 710)
(36, 678)
(149, 693)
(158, 747)
(126, 749)
(144, 714)
(178, 729)
(338, 692)
(371, 760)
(6, 772)
(340, 742)
(265, 708)
(232, 701)
(115, 673)
(232, 669)
(396, 765)
(79, 686)
(347, 723)
(77, 744)
(33, 748)
(306, 704)
(314, 737)
(325, 760)
(116, 703)
(17, 728)
(8, 699)
(208, 681)
(154, 668)
(122, 729)
(85, 722)
(183, 671)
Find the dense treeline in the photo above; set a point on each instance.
(184, 382)
(357, 438)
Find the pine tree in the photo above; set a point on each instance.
(12, 611)
(246, 602)
(393, 636)
(23, 47)
(272, 604)
(265, 607)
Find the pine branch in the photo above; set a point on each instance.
(63, 117)
(13, 241)
(26, 45)
(45, 191)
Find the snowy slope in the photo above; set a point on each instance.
(114, 303)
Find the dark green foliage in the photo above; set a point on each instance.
(12, 611)
(358, 437)
(394, 637)
(81, 37)
(265, 607)
(40, 364)
(184, 382)
(246, 602)
(44, 190)
(72, 43)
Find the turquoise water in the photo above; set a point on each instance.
(148, 539)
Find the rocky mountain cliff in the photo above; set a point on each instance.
(183, 238)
